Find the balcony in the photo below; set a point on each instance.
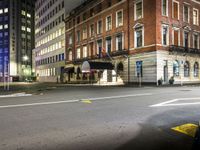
(184, 50)
(94, 57)
(119, 53)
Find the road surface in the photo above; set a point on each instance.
(99, 118)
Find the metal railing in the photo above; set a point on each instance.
(181, 49)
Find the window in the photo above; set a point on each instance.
(165, 35)
(70, 55)
(176, 68)
(138, 10)
(23, 28)
(78, 53)
(108, 45)
(84, 16)
(119, 17)
(186, 69)
(196, 69)
(186, 39)
(91, 12)
(99, 27)
(5, 10)
(1, 11)
(78, 36)
(92, 30)
(176, 37)
(195, 16)
(175, 9)
(91, 49)
(5, 26)
(108, 23)
(28, 15)
(109, 2)
(28, 29)
(119, 42)
(196, 41)
(139, 37)
(84, 32)
(99, 47)
(70, 39)
(85, 53)
(165, 7)
(1, 27)
(186, 13)
(23, 12)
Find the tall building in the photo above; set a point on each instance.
(16, 39)
(133, 41)
(49, 40)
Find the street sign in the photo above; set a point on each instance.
(139, 67)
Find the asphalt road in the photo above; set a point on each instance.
(99, 118)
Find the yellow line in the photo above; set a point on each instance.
(87, 101)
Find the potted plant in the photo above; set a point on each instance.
(160, 81)
(171, 80)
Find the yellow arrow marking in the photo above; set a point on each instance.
(86, 101)
(188, 129)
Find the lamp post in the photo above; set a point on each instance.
(25, 60)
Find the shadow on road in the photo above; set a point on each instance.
(156, 134)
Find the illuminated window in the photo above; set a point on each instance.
(5, 26)
(196, 69)
(5, 10)
(119, 16)
(195, 16)
(138, 10)
(108, 23)
(165, 7)
(23, 12)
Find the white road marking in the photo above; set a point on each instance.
(15, 95)
(171, 102)
(73, 101)
(122, 96)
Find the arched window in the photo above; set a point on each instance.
(186, 69)
(196, 69)
(176, 68)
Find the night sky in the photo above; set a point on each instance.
(71, 4)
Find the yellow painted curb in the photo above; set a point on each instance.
(188, 129)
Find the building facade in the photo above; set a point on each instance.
(16, 39)
(145, 41)
(49, 52)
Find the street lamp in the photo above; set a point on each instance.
(25, 59)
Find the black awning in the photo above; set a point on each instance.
(69, 70)
(88, 66)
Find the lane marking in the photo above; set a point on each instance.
(188, 129)
(38, 104)
(15, 95)
(122, 96)
(73, 101)
(180, 103)
(86, 101)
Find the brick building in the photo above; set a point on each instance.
(132, 40)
